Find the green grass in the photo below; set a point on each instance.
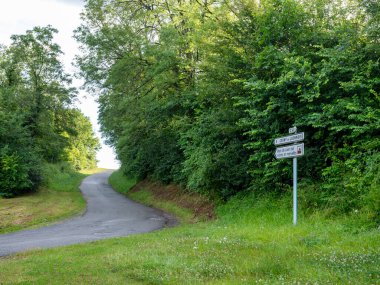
(60, 178)
(38, 209)
(252, 242)
(120, 182)
(145, 197)
(123, 184)
(58, 199)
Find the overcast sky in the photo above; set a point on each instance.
(17, 16)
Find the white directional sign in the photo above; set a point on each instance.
(290, 139)
(294, 151)
(290, 151)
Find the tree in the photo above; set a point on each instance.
(19, 163)
(38, 123)
(195, 91)
(41, 88)
(82, 143)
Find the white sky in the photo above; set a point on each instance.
(17, 16)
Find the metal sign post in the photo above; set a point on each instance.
(295, 206)
(291, 151)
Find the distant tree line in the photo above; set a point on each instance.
(195, 91)
(38, 121)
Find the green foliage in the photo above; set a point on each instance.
(19, 164)
(196, 91)
(215, 159)
(37, 122)
(61, 177)
(328, 89)
(82, 143)
(156, 100)
(9, 168)
(38, 87)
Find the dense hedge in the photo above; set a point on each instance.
(195, 92)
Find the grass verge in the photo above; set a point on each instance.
(253, 241)
(120, 182)
(187, 207)
(58, 199)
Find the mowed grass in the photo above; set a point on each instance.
(252, 242)
(60, 198)
(38, 209)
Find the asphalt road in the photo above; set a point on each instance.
(109, 214)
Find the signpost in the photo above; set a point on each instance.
(289, 139)
(291, 151)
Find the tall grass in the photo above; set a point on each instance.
(120, 182)
(61, 177)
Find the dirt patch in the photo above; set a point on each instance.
(199, 205)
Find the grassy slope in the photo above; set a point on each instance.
(123, 184)
(120, 182)
(251, 242)
(60, 198)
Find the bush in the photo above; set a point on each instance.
(61, 177)
(20, 170)
(347, 188)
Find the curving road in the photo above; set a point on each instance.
(109, 214)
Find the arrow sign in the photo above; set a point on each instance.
(290, 151)
(290, 139)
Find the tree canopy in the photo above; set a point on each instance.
(195, 91)
(38, 121)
